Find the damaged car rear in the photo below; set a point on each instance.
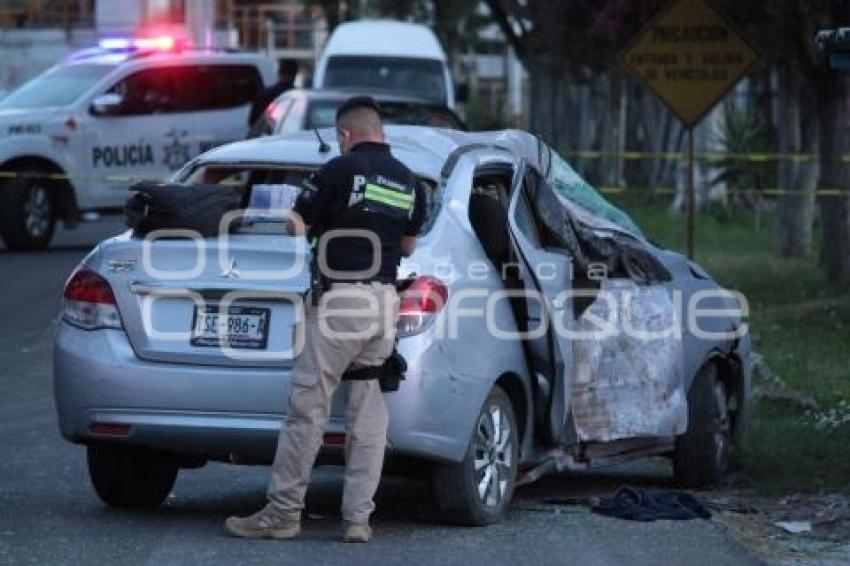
(562, 339)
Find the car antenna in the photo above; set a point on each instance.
(323, 146)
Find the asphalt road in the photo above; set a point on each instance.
(50, 515)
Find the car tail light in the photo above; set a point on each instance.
(89, 302)
(334, 439)
(109, 429)
(421, 300)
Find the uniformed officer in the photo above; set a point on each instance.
(370, 210)
(286, 73)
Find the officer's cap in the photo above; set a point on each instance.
(355, 102)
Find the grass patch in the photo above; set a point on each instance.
(799, 323)
(786, 456)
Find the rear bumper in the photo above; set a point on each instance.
(222, 412)
(205, 410)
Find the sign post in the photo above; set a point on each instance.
(690, 55)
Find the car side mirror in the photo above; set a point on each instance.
(107, 103)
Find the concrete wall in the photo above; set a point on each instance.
(119, 18)
(27, 52)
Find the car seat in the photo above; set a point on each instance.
(490, 222)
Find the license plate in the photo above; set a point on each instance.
(240, 327)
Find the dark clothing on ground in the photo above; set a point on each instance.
(651, 504)
(266, 97)
(365, 189)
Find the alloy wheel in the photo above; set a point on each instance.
(37, 211)
(493, 453)
(723, 427)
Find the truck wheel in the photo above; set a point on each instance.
(27, 213)
(704, 452)
(477, 491)
(129, 477)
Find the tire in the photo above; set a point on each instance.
(27, 213)
(456, 486)
(703, 454)
(134, 478)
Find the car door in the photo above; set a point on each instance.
(611, 363)
(143, 137)
(546, 275)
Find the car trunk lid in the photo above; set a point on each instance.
(177, 297)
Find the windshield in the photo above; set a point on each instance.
(59, 86)
(419, 77)
(322, 114)
(571, 186)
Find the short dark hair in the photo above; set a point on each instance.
(357, 102)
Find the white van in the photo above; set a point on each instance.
(386, 55)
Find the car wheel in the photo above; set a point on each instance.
(704, 452)
(27, 214)
(131, 477)
(477, 491)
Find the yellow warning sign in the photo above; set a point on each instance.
(690, 55)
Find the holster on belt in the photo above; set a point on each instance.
(389, 375)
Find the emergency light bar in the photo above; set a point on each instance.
(160, 43)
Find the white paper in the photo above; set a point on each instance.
(270, 201)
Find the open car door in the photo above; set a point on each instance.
(545, 279)
(602, 333)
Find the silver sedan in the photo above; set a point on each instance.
(542, 332)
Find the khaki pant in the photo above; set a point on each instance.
(354, 326)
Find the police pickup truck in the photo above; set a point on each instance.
(75, 137)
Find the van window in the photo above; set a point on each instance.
(152, 91)
(213, 87)
(190, 88)
(419, 77)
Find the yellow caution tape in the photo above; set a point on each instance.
(585, 154)
(707, 156)
(672, 191)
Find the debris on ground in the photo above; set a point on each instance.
(792, 529)
(795, 527)
(646, 504)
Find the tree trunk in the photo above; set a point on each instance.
(835, 209)
(608, 104)
(796, 134)
(547, 108)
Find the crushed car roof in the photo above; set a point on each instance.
(427, 152)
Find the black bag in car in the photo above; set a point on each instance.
(165, 206)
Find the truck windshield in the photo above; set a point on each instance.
(59, 86)
(419, 77)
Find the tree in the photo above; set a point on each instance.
(815, 98)
(566, 42)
